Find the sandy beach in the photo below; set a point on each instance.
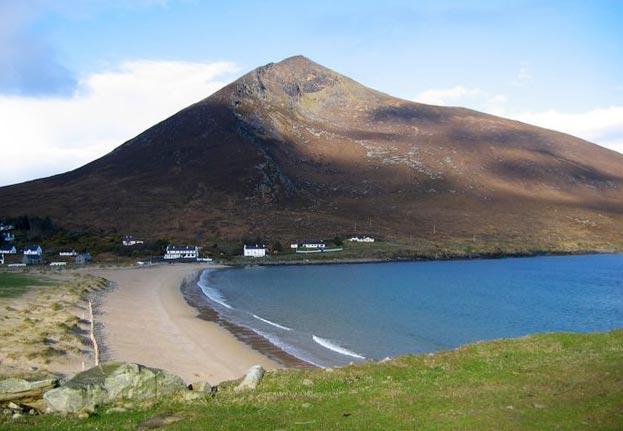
(145, 319)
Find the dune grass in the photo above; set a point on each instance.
(14, 284)
(543, 382)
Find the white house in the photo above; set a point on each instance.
(8, 236)
(312, 244)
(33, 250)
(33, 255)
(175, 252)
(254, 250)
(68, 253)
(58, 263)
(129, 241)
(361, 239)
(8, 249)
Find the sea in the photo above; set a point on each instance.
(331, 315)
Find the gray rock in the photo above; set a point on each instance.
(201, 387)
(19, 389)
(111, 382)
(251, 379)
(308, 382)
(16, 415)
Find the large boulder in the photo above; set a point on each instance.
(20, 390)
(111, 382)
(251, 379)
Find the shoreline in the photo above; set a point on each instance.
(451, 258)
(145, 318)
(196, 298)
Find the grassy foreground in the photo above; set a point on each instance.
(541, 382)
(15, 284)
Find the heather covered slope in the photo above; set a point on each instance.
(294, 149)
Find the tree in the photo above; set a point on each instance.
(338, 241)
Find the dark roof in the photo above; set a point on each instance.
(254, 246)
(310, 241)
(172, 247)
(7, 247)
(31, 247)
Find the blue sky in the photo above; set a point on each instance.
(555, 63)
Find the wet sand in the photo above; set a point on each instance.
(145, 318)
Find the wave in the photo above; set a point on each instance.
(276, 325)
(276, 341)
(214, 295)
(328, 344)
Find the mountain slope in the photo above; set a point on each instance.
(294, 149)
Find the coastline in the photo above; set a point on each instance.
(196, 298)
(144, 318)
(423, 258)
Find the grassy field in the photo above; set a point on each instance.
(13, 285)
(543, 382)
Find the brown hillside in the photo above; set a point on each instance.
(293, 149)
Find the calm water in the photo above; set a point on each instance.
(334, 314)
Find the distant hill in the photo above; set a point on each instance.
(294, 150)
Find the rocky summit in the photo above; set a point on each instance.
(293, 149)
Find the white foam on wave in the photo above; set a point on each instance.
(276, 325)
(276, 341)
(213, 294)
(328, 344)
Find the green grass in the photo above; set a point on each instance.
(13, 285)
(543, 382)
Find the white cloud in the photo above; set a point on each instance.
(523, 76)
(603, 126)
(447, 96)
(45, 136)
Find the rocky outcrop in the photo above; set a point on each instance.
(251, 379)
(112, 382)
(24, 391)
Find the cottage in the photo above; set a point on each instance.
(67, 253)
(317, 244)
(8, 236)
(364, 238)
(58, 263)
(129, 241)
(254, 250)
(33, 255)
(7, 249)
(184, 252)
(83, 258)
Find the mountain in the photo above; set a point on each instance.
(293, 149)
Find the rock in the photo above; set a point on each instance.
(201, 387)
(13, 406)
(16, 415)
(328, 370)
(32, 412)
(251, 379)
(386, 359)
(306, 405)
(19, 389)
(111, 382)
(83, 415)
(307, 382)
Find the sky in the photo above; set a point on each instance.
(80, 77)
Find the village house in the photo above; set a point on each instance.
(83, 258)
(316, 244)
(7, 249)
(67, 253)
(33, 255)
(254, 250)
(8, 236)
(129, 241)
(184, 252)
(364, 238)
